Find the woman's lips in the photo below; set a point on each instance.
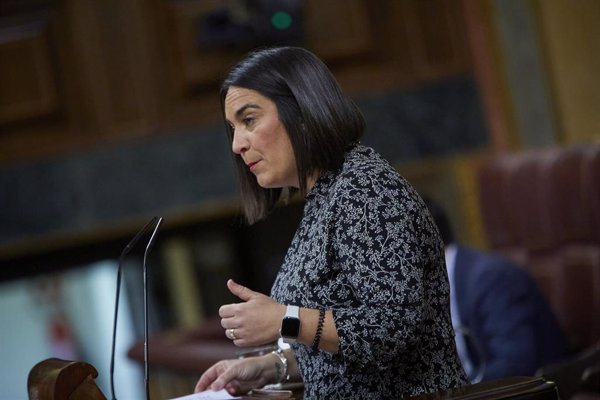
(252, 165)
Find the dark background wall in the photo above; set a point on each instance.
(109, 110)
(163, 174)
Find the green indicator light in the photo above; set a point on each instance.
(281, 20)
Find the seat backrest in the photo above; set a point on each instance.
(493, 188)
(519, 387)
(591, 187)
(528, 203)
(569, 208)
(544, 206)
(568, 374)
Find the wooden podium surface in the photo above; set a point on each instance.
(55, 379)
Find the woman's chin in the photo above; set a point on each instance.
(265, 184)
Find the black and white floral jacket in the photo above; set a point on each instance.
(367, 249)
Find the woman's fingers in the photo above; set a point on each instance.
(231, 376)
(208, 378)
(236, 376)
(240, 291)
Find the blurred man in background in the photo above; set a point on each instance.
(504, 326)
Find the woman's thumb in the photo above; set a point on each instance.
(240, 291)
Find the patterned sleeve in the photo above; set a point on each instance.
(383, 243)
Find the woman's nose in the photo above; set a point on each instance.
(239, 145)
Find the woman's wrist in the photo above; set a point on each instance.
(281, 366)
(317, 330)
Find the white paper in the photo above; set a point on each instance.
(208, 395)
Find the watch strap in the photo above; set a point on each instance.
(292, 311)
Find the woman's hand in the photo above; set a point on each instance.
(254, 322)
(239, 376)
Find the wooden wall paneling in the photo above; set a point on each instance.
(436, 31)
(196, 66)
(38, 105)
(123, 68)
(373, 46)
(338, 28)
(417, 45)
(188, 74)
(142, 55)
(400, 31)
(365, 43)
(98, 59)
(487, 68)
(387, 62)
(569, 34)
(28, 88)
(443, 31)
(107, 37)
(355, 39)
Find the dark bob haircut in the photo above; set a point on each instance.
(321, 121)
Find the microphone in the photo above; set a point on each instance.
(122, 257)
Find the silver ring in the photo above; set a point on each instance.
(232, 334)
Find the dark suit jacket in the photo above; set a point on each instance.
(505, 312)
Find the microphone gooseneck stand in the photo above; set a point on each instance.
(146, 364)
(122, 257)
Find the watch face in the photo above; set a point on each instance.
(290, 327)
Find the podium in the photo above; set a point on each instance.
(55, 379)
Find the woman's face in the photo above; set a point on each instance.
(260, 138)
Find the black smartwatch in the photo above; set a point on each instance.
(290, 325)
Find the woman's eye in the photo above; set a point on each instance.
(248, 121)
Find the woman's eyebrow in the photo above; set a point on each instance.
(243, 108)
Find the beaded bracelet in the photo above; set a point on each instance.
(284, 375)
(317, 339)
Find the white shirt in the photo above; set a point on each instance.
(450, 253)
